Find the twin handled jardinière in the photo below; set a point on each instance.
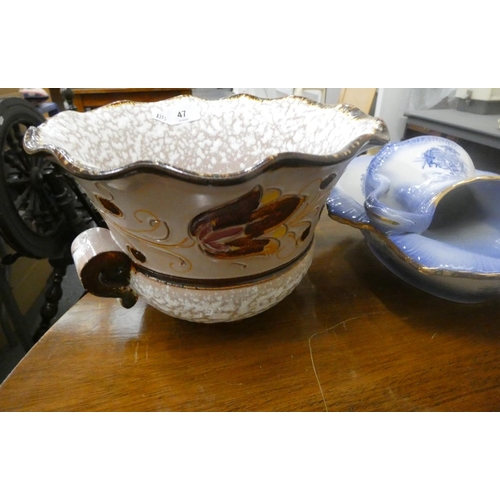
(211, 206)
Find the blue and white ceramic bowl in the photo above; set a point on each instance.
(428, 215)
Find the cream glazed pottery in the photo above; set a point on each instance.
(428, 215)
(211, 206)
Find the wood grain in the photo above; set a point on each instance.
(93, 98)
(351, 337)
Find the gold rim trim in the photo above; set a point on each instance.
(378, 135)
(465, 182)
(385, 219)
(428, 271)
(356, 225)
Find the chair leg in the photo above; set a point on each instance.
(52, 297)
(17, 319)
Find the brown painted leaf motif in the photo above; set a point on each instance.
(240, 228)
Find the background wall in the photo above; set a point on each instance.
(390, 107)
(393, 103)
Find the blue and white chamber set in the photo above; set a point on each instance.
(427, 214)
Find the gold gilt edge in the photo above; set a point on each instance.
(378, 135)
(429, 271)
(464, 182)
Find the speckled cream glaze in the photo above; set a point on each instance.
(232, 195)
(220, 305)
(231, 136)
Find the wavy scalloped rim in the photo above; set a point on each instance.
(439, 258)
(374, 133)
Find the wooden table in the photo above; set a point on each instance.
(93, 98)
(351, 337)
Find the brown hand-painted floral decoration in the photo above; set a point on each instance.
(243, 226)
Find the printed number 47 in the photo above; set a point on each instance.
(181, 114)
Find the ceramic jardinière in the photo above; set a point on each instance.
(211, 205)
(428, 215)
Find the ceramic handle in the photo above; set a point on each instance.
(103, 268)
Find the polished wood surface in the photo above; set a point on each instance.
(351, 337)
(93, 98)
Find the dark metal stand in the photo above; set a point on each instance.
(69, 213)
